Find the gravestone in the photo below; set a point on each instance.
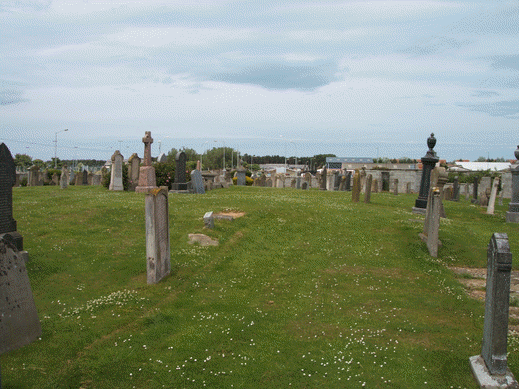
(432, 223)
(483, 201)
(428, 162)
(395, 186)
(336, 180)
(55, 179)
(90, 178)
(342, 185)
(355, 195)
(85, 177)
(45, 177)
(408, 187)
(158, 264)
(304, 186)
(323, 178)
(98, 177)
(362, 178)
(64, 178)
(456, 189)
(162, 158)
(34, 176)
(475, 190)
(447, 193)
(298, 180)
(293, 183)
(19, 323)
(198, 182)
(467, 192)
(180, 172)
(240, 177)
(116, 178)
(209, 220)
(493, 195)
(78, 179)
(268, 183)
(7, 180)
(348, 182)
(147, 179)
(374, 186)
(367, 193)
(512, 216)
(490, 367)
(134, 163)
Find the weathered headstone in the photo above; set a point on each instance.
(34, 176)
(157, 235)
(456, 189)
(134, 163)
(97, 178)
(162, 158)
(475, 190)
(493, 195)
(7, 180)
(395, 186)
(336, 180)
(90, 178)
(268, 183)
(348, 182)
(209, 220)
(78, 179)
(323, 178)
(408, 188)
(374, 186)
(483, 201)
(19, 323)
(85, 177)
(467, 192)
(64, 178)
(116, 178)
(512, 216)
(490, 368)
(355, 194)
(198, 182)
(362, 178)
(304, 186)
(293, 183)
(447, 193)
(147, 179)
(432, 223)
(367, 193)
(428, 162)
(240, 176)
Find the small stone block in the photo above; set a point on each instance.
(209, 220)
(486, 380)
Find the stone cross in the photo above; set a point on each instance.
(158, 263)
(512, 216)
(490, 368)
(147, 140)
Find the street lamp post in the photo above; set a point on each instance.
(56, 147)
(202, 155)
(160, 143)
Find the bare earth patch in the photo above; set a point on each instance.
(202, 239)
(475, 284)
(233, 214)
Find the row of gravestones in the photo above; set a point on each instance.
(35, 177)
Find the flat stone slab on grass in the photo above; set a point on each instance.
(202, 239)
(228, 215)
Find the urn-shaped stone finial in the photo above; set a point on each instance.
(516, 153)
(431, 142)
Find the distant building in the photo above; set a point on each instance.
(462, 166)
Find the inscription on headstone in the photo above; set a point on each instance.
(19, 323)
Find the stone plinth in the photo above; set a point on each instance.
(147, 179)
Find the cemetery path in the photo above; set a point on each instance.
(474, 280)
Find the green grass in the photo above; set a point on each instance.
(306, 290)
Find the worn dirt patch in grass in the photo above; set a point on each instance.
(202, 239)
(233, 214)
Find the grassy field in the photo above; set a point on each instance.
(307, 290)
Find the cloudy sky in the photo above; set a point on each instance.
(353, 78)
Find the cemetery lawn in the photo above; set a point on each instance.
(306, 290)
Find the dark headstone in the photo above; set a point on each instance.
(475, 190)
(180, 171)
(347, 186)
(336, 180)
(456, 189)
(491, 365)
(198, 182)
(19, 323)
(304, 185)
(7, 180)
(512, 216)
(85, 177)
(322, 180)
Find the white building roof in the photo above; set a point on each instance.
(492, 166)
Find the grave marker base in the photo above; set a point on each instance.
(488, 381)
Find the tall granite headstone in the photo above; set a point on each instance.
(456, 189)
(428, 162)
(158, 263)
(180, 172)
(324, 177)
(336, 180)
(240, 176)
(348, 182)
(7, 180)
(116, 178)
(490, 368)
(147, 180)
(493, 195)
(85, 177)
(512, 216)
(198, 182)
(34, 176)
(355, 194)
(395, 186)
(432, 223)
(475, 190)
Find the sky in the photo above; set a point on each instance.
(297, 78)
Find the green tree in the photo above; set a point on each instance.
(23, 161)
(39, 163)
(320, 159)
(481, 159)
